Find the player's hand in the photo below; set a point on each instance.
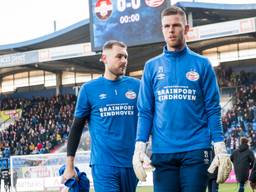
(221, 161)
(65, 189)
(68, 174)
(140, 158)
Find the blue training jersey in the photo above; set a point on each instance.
(110, 107)
(178, 103)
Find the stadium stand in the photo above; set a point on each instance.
(46, 118)
(44, 124)
(240, 120)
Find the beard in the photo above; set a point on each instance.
(118, 72)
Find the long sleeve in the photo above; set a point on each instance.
(212, 103)
(145, 107)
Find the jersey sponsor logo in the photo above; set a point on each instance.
(103, 96)
(176, 93)
(119, 109)
(130, 94)
(103, 9)
(154, 3)
(192, 75)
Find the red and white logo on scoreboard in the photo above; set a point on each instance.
(103, 9)
(154, 3)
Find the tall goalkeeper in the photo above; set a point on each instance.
(179, 106)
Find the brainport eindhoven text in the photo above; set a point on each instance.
(116, 110)
(176, 94)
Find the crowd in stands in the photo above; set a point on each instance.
(240, 120)
(228, 78)
(44, 124)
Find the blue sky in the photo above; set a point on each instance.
(22, 20)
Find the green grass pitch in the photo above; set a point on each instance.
(223, 188)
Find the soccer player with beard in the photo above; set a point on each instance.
(109, 105)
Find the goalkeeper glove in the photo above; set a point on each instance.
(140, 158)
(221, 161)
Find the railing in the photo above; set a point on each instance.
(227, 92)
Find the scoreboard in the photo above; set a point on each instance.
(135, 22)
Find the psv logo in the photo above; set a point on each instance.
(192, 75)
(154, 3)
(131, 95)
(103, 9)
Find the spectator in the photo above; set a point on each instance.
(7, 152)
(243, 159)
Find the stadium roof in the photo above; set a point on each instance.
(207, 13)
(202, 13)
(76, 33)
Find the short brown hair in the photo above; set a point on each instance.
(109, 44)
(174, 10)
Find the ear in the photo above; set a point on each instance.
(186, 29)
(103, 58)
